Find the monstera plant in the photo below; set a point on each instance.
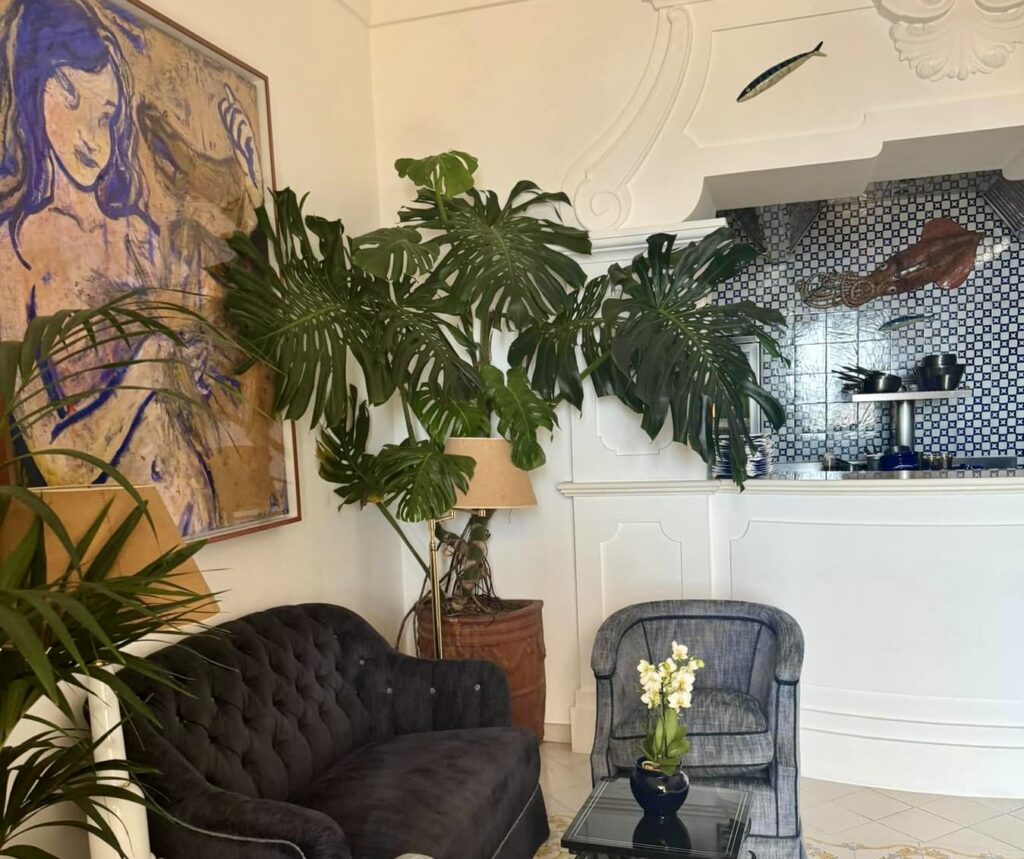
(417, 307)
(61, 636)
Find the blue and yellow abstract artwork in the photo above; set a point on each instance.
(128, 152)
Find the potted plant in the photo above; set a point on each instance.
(417, 308)
(66, 634)
(658, 782)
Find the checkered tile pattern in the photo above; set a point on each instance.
(981, 322)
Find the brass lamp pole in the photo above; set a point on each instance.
(496, 485)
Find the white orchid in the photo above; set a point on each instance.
(668, 688)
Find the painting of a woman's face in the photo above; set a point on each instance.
(79, 108)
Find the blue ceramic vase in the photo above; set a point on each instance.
(659, 795)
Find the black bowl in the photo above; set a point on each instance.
(882, 384)
(945, 360)
(950, 379)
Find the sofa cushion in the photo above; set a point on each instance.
(728, 735)
(448, 794)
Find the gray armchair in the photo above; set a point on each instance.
(744, 720)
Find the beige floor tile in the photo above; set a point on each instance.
(553, 781)
(554, 806)
(875, 839)
(830, 819)
(817, 791)
(572, 796)
(920, 824)
(909, 796)
(872, 804)
(1018, 813)
(1006, 828)
(961, 810)
(970, 842)
(1003, 806)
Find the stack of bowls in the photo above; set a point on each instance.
(939, 373)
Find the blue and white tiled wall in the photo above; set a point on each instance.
(981, 322)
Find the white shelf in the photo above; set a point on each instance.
(902, 396)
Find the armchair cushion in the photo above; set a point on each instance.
(448, 794)
(727, 729)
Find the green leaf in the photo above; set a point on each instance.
(421, 480)
(344, 460)
(552, 345)
(394, 253)
(680, 354)
(444, 419)
(448, 174)
(14, 567)
(508, 264)
(520, 414)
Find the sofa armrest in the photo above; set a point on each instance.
(191, 817)
(439, 695)
(217, 824)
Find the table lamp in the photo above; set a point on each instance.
(496, 485)
(77, 507)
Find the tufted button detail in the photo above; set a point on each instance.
(476, 688)
(388, 690)
(432, 690)
(362, 661)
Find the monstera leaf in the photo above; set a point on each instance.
(448, 174)
(421, 480)
(344, 460)
(681, 354)
(505, 263)
(520, 414)
(394, 253)
(443, 419)
(305, 317)
(552, 346)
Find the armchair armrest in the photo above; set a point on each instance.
(447, 694)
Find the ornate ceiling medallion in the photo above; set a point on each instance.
(954, 38)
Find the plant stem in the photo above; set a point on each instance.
(405, 539)
(441, 211)
(595, 365)
(407, 414)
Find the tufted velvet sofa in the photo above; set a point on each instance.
(299, 733)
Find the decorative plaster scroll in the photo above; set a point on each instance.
(598, 182)
(954, 38)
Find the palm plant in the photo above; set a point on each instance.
(68, 633)
(416, 308)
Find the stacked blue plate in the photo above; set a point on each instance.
(760, 458)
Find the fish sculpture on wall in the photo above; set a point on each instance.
(945, 256)
(768, 79)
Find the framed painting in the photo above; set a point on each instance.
(131, 149)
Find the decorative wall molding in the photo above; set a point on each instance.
(387, 12)
(859, 488)
(599, 181)
(954, 38)
(611, 246)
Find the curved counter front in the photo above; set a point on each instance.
(910, 594)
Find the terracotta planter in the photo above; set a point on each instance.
(513, 640)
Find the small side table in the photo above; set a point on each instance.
(711, 825)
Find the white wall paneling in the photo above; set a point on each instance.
(632, 549)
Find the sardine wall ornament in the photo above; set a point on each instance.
(768, 79)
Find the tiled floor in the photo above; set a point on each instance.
(846, 815)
